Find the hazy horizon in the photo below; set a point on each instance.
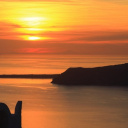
(54, 64)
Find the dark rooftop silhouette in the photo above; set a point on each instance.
(8, 120)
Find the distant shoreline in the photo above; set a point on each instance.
(30, 76)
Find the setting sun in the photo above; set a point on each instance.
(32, 26)
(67, 60)
(77, 27)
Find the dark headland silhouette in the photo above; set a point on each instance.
(107, 75)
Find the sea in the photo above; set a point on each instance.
(47, 105)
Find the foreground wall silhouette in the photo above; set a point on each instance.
(8, 120)
(108, 75)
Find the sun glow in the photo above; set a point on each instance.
(33, 26)
(33, 21)
(33, 18)
(33, 38)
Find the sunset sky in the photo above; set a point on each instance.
(64, 27)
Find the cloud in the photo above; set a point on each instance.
(7, 26)
(101, 36)
(78, 1)
(116, 1)
(54, 47)
(37, 0)
(8, 30)
(35, 50)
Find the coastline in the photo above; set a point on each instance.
(106, 75)
(29, 76)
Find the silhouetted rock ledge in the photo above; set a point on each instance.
(107, 75)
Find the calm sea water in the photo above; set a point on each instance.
(47, 105)
(52, 106)
(50, 64)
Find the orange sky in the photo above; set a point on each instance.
(64, 26)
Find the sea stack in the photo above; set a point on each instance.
(107, 75)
